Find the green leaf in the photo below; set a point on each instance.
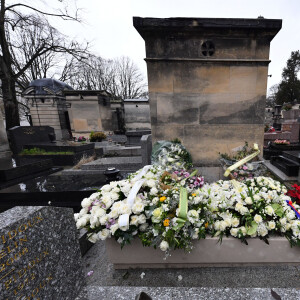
(278, 209)
(252, 229)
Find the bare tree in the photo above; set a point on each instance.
(28, 46)
(120, 77)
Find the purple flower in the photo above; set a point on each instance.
(90, 273)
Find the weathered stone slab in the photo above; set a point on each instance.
(39, 254)
(131, 163)
(198, 94)
(207, 252)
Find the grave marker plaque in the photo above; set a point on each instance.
(39, 254)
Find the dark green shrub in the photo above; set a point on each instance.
(97, 136)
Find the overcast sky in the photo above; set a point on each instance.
(108, 24)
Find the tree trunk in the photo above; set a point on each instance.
(10, 103)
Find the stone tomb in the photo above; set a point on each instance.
(207, 81)
(39, 254)
(25, 135)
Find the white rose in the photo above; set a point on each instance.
(114, 184)
(244, 210)
(134, 220)
(235, 222)
(137, 207)
(115, 190)
(155, 200)
(257, 218)
(243, 229)
(106, 188)
(82, 221)
(93, 238)
(164, 246)
(76, 216)
(126, 189)
(271, 225)
(114, 228)
(238, 206)
(269, 210)
(107, 202)
(94, 221)
(248, 200)
(103, 234)
(227, 222)
(217, 225)
(114, 196)
(125, 209)
(142, 219)
(234, 232)
(86, 202)
(84, 211)
(263, 231)
(113, 214)
(103, 219)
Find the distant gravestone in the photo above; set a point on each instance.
(39, 254)
(24, 135)
(146, 149)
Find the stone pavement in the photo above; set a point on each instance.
(197, 283)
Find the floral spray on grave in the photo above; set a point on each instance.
(168, 207)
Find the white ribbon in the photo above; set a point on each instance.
(124, 219)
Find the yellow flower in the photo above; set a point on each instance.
(162, 199)
(206, 225)
(166, 222)
(194, 195)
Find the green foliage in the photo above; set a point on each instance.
(97, 136)
(38, 151)
(176, 141)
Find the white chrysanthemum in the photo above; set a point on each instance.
(164, 246)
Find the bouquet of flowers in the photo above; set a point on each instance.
(167, 208)
(281, 142)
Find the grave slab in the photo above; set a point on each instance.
(39, 254)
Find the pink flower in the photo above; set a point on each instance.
(90, 273)
(245, 168)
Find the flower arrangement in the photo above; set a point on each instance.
(81, 139)
(246, 171)
(281, 142)
(168, 208)
(295, 193)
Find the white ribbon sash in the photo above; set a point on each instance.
(124, 219)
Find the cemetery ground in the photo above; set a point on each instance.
(243, 282)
